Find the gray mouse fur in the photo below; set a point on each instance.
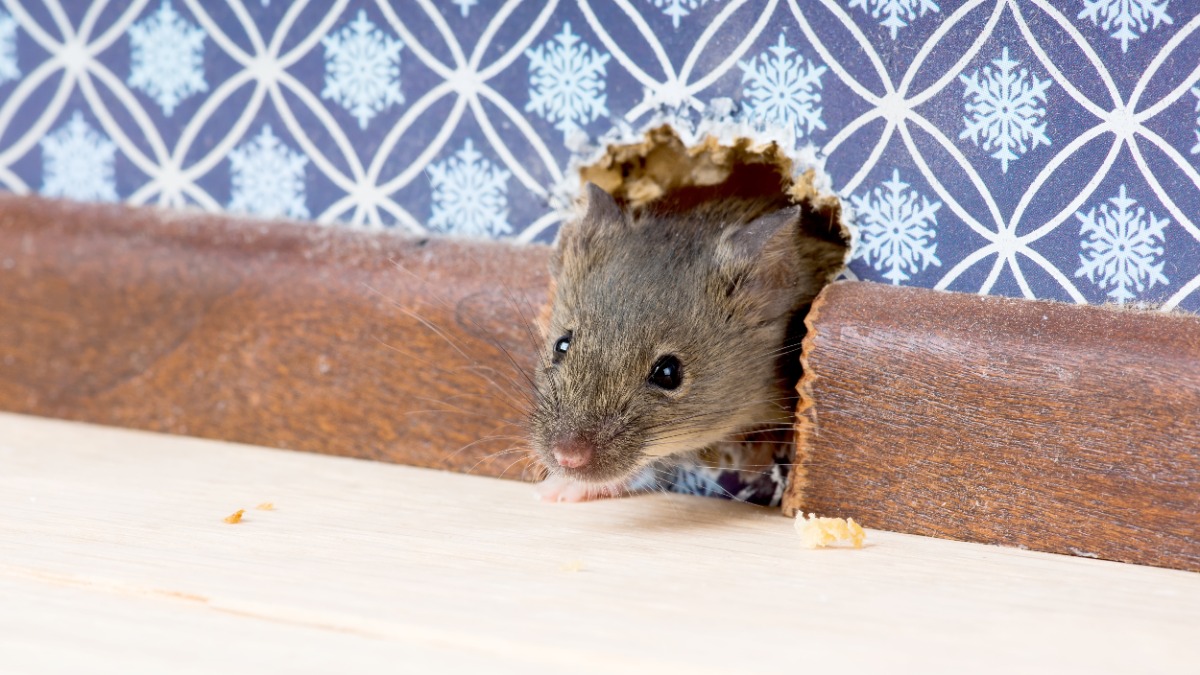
(717, 287)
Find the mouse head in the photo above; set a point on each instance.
(665, 334)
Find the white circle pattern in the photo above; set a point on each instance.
(1022, 147)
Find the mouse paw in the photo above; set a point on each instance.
(563, 489)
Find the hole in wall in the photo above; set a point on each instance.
(663, 169)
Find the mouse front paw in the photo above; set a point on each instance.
(563, 489)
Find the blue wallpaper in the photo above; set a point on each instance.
(1016, 147)
(1019, 147)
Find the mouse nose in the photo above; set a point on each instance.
(573, 453)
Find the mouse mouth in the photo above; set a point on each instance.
(606, 470)
(600, 476)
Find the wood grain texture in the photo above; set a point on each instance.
(956, 416)
(1060, 428)
(116, 559)
(268, 333)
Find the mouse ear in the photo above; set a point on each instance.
(761, 264)
(602, 208)
(580, 239)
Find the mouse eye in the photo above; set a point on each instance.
(667, 372)
(561, 346)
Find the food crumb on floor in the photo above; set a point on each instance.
(821, 532)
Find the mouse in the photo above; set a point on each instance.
(671, 329)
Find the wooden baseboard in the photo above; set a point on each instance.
(268, 333)
(1060, 428)
(1055, 427)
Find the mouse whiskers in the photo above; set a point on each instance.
(470, 364)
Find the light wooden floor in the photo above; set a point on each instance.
(114, 558)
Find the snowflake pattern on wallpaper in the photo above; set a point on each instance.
(677, 9)
(566, 81)
(268, 177)
(465, 6)
(896, 227)
(1121, 248)
(77, 162)
(166, 54)
(470, 194)
(8, 48)
(1000, 123)
(783, 90)
(1005, 109)
(362, 69)
(896, 14)
(1130, 17)
(445, 126)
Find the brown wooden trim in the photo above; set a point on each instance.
(1060, 428)
(268, 333)
(1055, 427)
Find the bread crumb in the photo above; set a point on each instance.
(821, 532)
(265, 506)
(573, 566)
(235, 518)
